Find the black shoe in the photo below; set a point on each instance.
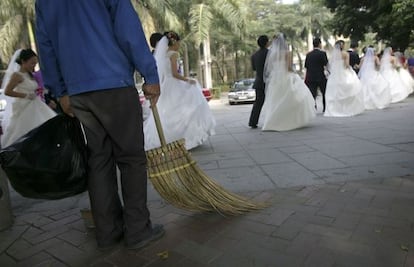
(253, 126)
(156, 233)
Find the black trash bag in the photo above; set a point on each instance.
(50, 161)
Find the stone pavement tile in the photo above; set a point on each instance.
(268, 156)
(331, 209)
(301, 246)
(346, 246)
(6, 260)
(367, 234)
(69, 254)
(343, 259)
(231, 163)
(327, 231)
(390, 254)
(317, 161)
(361, 206)
(22, 249)
(197, 252)
(314, 219)
(270, 216)
(387, 221)
(248, 226)
(350, 147)
(320, 257)
(46, 234)
(347, 220)
(60, 223)
(7, 237)
(381, 158)
(40, 259)
(289, 229)
(65, 214)
(126, 258)
(251, 255)
(296, 149)
(74, 237)
(290, 174)
(242, 179)
(409, 260)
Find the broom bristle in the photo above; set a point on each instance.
(178, 179)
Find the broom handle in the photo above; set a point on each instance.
(158, 124)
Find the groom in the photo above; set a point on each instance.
(315, 64)
(258, 61)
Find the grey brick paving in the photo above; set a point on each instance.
(341, 194)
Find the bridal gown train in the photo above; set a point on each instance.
(288, 105)
(344, 95)
(23, 114)
(184, 113)
(377, 91)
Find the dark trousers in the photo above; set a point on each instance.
(114, 129)
(313, 87)
(257, 107)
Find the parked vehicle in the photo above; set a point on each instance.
(242, 91)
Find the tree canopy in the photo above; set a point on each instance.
(392, 20)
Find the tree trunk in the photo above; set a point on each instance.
(207, 63)
(186, 63)
(310, 38)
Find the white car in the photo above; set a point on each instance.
(242, 91)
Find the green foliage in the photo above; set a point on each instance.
(392, 20)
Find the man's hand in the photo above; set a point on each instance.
(151, 92)
(65, 104)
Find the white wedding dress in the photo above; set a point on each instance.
(183, 109)
(344, 95)
(377, 91)
(289, 103)
(23, 115)
(399, 90)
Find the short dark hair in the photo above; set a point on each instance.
(316, 42)
(262, 41)
(25, 55)
(154, 38)
(354, 45)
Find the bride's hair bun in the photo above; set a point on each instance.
(25, 55)
(172, 37)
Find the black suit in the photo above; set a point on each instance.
(354, 60)
(315, 63)
(258, 61)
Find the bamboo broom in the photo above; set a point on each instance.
(178, 179)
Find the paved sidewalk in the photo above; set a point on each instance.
(342, 194)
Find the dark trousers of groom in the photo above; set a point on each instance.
(257, 107)
(313, 87)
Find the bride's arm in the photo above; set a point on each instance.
(15, 79)
(174, 69)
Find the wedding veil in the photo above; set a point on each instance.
(12, 68)
(368, 64)
(160, 55)
(386, 59)
(276, 59)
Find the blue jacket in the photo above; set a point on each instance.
(89, 45)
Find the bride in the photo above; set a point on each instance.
(344, 95)
(289, 103)
(399, 90)
(377, 91)
(183, 110)
(24, 110)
